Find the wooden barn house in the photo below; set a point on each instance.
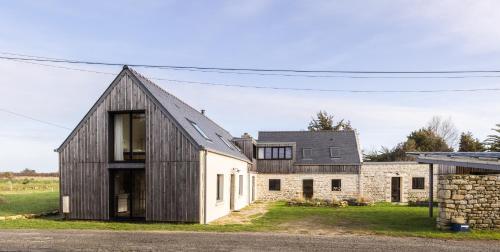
(141, 153)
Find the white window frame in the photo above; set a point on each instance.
(240, 185)
(220, 188)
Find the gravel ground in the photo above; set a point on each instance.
(78, 240)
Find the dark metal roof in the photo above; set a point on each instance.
(185, 114)
(482, 160)
(320, 142)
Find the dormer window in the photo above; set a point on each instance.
(334, 152)
(129, 136)
(306, 153)
(197, 128)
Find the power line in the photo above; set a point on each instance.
(34, 119)
(280, 88)
(58, 60)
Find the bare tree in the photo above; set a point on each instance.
(445, 128)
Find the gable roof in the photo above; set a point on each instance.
(320, 142)
(185, 114)
(182, 114)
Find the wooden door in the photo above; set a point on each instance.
(231, 189)
(307, 188)
(396, 189)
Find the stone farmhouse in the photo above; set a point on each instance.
(142, 153)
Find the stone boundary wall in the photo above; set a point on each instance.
(469, 199)
(375, 180)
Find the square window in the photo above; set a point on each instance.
(336, 185)
(418, 183)
(281, 153)
(306, 153)
(274, 184)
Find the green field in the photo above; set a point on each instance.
(28, 195)
(382, 219)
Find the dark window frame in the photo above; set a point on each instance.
(418, 183)
(336, 185)
(276, 149)
(275, 185)
(111, 144)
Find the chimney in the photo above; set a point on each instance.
(203, 112)
(246, 135)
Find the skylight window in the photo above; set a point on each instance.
(226, 142)
(195, 126)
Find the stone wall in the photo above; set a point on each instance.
(291, 186)
(469, 199)
(375, 180)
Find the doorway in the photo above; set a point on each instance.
(231, 190)
(128, 194)
(396, 189)
(307, 188)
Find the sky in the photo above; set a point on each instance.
(320, 35)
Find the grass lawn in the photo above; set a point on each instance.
(383, 219)
(27, 203)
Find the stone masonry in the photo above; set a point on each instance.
(291, 186)
(373, 182)
(469, 199)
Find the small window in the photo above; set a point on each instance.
(418, 183)
(230, 146)
(336, 185)
(306, 153)
(200, 131)
(220, 187)
(288, 152)
(268, 153)
(334, 152)
(261, 153)
(240, 181)
(274, 184)
(254, 151)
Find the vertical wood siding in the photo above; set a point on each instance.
(171, 167)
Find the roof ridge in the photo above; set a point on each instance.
(306, 131)
(177, 98)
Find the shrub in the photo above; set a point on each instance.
(361, 201)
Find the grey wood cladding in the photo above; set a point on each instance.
(171, 166)
(289, 166)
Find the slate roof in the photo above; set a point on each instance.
(320, 142)
(182, 112)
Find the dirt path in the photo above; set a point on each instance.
(245, 215)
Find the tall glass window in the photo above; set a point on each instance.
(129, 136)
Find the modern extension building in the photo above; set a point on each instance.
(141, 153)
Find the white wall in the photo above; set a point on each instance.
(219, 164)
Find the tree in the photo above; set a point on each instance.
(324, 121)
(446, 129)
(470, 144)
(422, 140)
(493, 140)
(426, 140)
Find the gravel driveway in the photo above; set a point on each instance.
(77, 240)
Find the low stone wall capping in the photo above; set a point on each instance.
(469, 199)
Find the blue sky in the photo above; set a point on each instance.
(344, 35)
